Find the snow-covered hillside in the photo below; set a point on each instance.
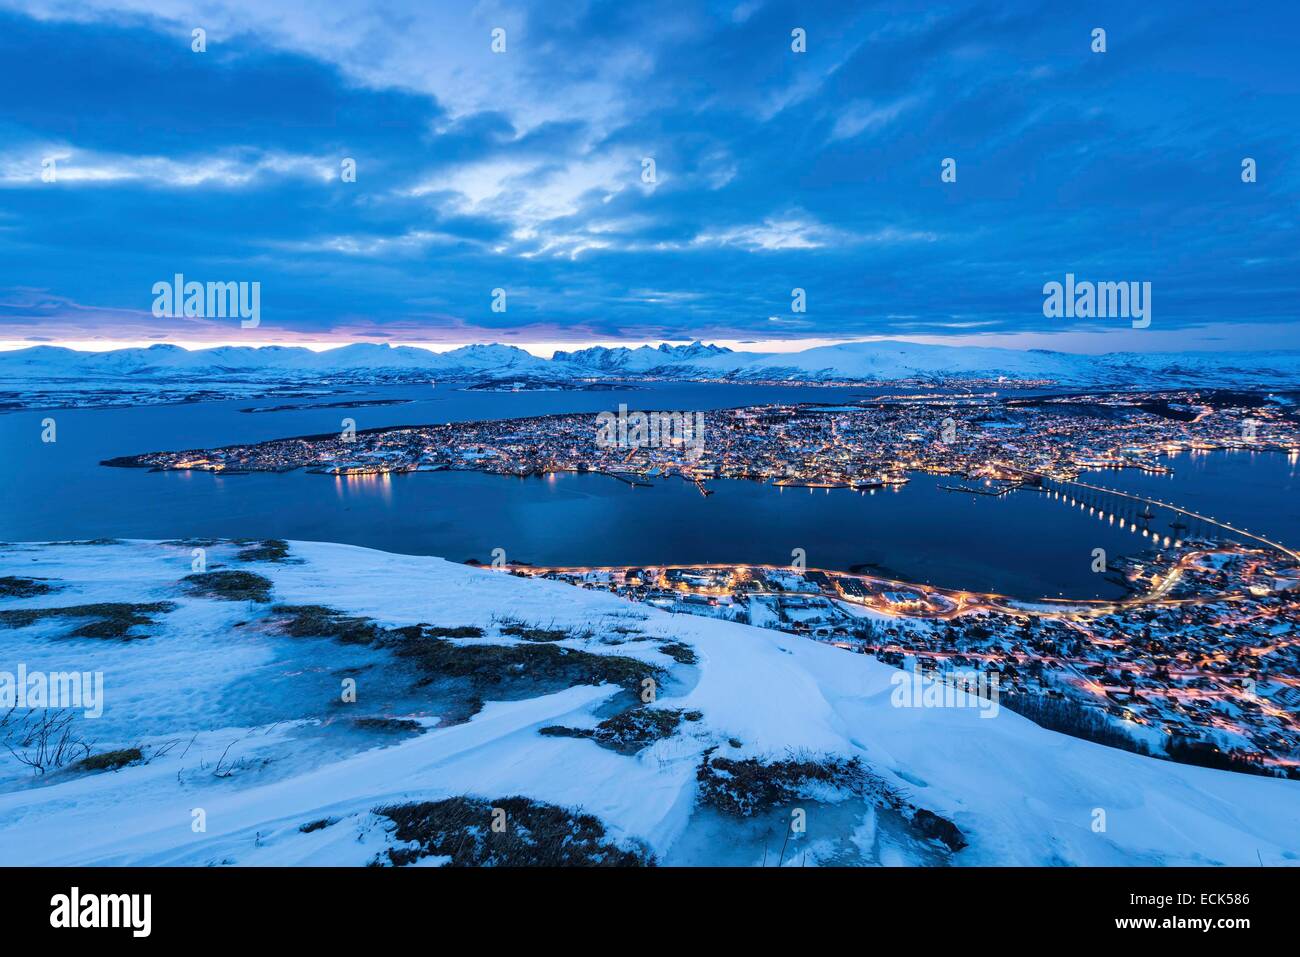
(236, 709)
(879, 361)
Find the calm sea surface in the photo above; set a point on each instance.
(1023, 544)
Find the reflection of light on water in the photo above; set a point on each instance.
(365, 482)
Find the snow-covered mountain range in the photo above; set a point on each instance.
(877, 361)
(357, 360)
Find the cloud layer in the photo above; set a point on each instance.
(644, 171)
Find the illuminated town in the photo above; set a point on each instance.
(1203, 661)
(1200, 662)
(866, 445)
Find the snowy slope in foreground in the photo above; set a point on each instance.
(237, 695)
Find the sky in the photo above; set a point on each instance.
(127, 157)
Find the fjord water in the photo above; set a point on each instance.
(1023, 544)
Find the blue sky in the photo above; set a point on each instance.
(522, 170)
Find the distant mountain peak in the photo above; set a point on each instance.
(696, 348)
(642, 358)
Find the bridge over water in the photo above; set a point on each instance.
(1205, 519)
